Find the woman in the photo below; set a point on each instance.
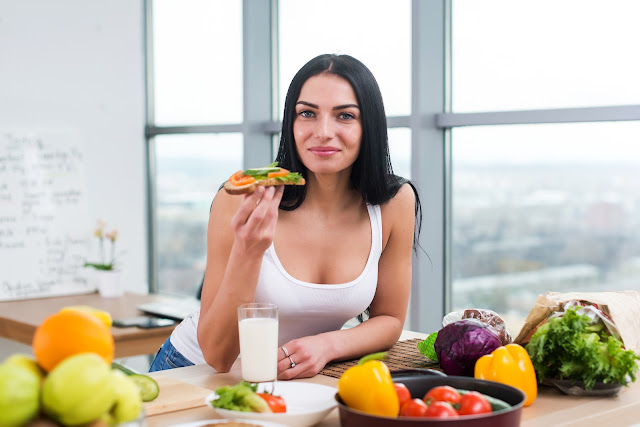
(323, 252)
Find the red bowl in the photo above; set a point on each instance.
(420, 384)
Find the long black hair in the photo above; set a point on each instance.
(372, 174)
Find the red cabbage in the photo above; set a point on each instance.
(461, 343)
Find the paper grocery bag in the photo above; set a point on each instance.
(623, 307)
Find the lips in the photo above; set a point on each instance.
(323, 151)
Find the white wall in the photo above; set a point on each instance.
(78, 65)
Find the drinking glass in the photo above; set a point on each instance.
(258, 329)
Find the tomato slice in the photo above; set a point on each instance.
(239, 179)
(276, 403)
(282, 172)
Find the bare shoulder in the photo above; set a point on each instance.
(225, 203)
(401, 205)
(223, 208)
(398, 215)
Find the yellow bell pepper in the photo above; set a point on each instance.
(368, 387)
(509, 365)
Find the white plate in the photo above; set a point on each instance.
(307, 404)
(218, 421)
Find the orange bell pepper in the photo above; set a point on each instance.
(509, 365)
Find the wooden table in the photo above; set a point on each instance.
(551, 408)
(19, 319)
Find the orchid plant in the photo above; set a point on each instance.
(102, 235)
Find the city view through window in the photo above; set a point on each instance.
(533, 217)
(535, 208)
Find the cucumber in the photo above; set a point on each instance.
(496, 404)
(124, 369)
(261, 171)
(149, 388)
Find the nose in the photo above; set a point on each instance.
(324, 129)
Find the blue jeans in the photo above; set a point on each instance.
(168, 358)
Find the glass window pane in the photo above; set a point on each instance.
(376, 32)
(545, 54)
(541, 208)
(197, 59)
(400, 151)
(189, 171)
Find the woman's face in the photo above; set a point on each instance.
(327, 127)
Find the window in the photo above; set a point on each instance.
(545, 54)
(197, 62)
(189, 170)
(543, 206)
(208, 113)
(378, 33)
(515, 201)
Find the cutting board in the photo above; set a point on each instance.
(175, 395)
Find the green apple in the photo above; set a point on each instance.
(78, 390)
(128, 402)
(19, 395)
(27, 362)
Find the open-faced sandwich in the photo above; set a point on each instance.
(243, 182)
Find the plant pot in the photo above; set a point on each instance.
(109, 283)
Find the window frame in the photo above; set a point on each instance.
(430, 123)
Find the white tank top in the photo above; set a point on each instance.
(303, 308)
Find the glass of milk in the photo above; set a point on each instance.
(258, 329)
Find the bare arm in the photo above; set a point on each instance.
(238, 234)
(388, 308)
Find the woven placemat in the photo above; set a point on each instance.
(403, 355)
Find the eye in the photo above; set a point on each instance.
(346, 116)
(306, 113)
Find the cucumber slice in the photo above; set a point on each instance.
(149, 388)
(261, 171)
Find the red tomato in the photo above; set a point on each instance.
(403, 394)
(443, 393)
(414, 408)
(473, 403)
(441, 410)
(276, 403)
(239, 179)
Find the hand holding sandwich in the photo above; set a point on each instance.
(255, 221)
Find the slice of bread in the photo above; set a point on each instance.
(250, 188)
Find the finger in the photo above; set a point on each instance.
(259, 214)
(247, 206)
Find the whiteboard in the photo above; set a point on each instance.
(44, 216)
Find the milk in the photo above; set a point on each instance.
(259, 349)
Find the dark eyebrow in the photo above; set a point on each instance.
(338, 107)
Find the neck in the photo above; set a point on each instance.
(331, 193)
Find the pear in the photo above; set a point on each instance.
(78, 390)
(19, 395)
(27, 362)
(128, 402)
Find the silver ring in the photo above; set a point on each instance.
(284, 349)
(293, 364)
